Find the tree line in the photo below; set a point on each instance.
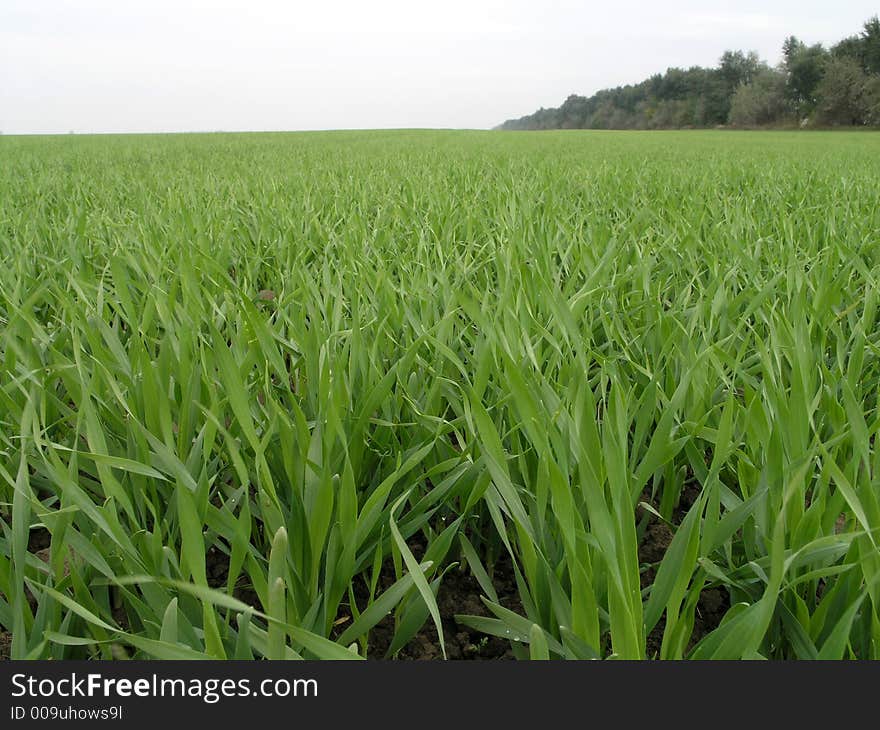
(811, 86)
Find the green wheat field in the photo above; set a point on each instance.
(466, 394)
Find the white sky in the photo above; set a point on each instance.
(200, 65)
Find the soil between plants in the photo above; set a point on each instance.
(459, 593)
(713, 603)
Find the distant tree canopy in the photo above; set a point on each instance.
(839, 86)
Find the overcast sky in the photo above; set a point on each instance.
(181, 65)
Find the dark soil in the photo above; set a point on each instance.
(38, 543)
(713, 603)
(689, 493)
(658, 536)
(217, 568)
(459, 593)
(39, 539)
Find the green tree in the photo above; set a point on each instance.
(737, 68)
(871, 45)
(741, 90)
(872, 100)
(761, 102)
(844, 93)
(804, 66)
(851, 47)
